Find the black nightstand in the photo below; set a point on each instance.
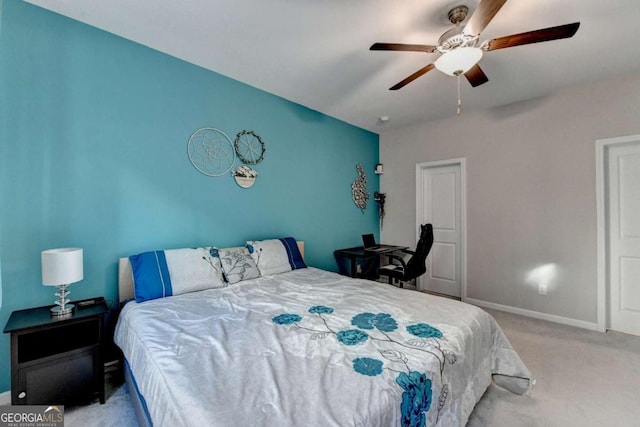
(57, 359)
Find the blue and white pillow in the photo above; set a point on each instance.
(276, 256)
(238, 264)
(160, 274)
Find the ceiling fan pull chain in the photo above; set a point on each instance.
(459, 98)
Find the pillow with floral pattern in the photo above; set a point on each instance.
(237, 264)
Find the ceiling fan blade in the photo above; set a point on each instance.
(412, 77)
(543, 35)
(485, 12)
(403, 47)
(476, 76)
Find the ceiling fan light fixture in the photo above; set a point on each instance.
(458, 61)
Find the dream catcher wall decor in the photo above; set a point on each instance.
(211, 152)
(249, 147)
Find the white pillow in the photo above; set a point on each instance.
(276, 256)
(194, 269)
(161, 274)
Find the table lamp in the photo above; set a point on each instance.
(62, 267)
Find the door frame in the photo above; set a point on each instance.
(602, 280)
(461, 162)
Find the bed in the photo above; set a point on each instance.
(310, 347)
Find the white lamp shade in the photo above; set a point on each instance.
(459, 60)
(62, 266)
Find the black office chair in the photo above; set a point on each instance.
(416, 265)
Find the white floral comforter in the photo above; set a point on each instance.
(312, 348)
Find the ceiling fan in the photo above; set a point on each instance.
(460, 47)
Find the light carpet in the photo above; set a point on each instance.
(117, 411)
(584, 379)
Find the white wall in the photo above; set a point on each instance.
(530, 190)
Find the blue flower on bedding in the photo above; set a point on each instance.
(351, 337)
(382, 321)
(286, 319)
(367, 366)
(417, 390)
(214, 252)
(423, 330)
(321, 309)
(416, 398)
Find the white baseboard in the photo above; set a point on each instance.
(5, 398)
(535, 314)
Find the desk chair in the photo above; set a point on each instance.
(403, 271)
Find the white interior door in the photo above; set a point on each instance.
(440, 202)
(623, 191)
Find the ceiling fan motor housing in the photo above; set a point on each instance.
(455, 38)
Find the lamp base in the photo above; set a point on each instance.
(62, 306)
(61, 311)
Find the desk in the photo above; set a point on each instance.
(369, 260)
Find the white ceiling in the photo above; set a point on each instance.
(316, 52)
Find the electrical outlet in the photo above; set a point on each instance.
(542, 289)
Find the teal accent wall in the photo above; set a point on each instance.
(93, 153)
